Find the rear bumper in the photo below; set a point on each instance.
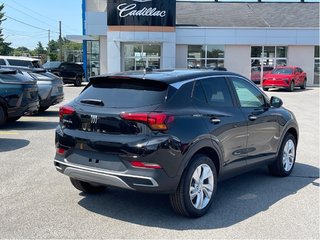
(20, 111)
(149, 180)
(51, 100)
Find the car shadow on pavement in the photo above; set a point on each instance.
(30, 125)
(10, 144)
(237, 199)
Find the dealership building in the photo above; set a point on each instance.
(123, 35)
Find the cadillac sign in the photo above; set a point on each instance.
(141, 12)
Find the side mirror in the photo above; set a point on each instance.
(275, 102)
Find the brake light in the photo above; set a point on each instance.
(138, 164)
(65, 110)
(60, 151)
(156, 121)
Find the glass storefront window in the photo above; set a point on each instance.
(281, 52)
(141, 56)
(205, 56)
(316, 79)
(196, 51)
(215, 51)
(93, 58)
(265, 58)
(256, 51)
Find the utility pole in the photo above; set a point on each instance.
(60, 42)
(48, 52)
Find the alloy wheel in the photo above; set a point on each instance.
(201, 186)
(288, 155)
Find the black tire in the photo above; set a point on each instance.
(181, 201)
(3, 115)
(279, 167)
(265, 89)
(291, 87)
(13, 119)
(304, 85)
(78, 81)
(87, 187)
(42, 109)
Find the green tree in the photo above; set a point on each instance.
(52, 49)
(5, 48)
(39, 50)
(21, 51)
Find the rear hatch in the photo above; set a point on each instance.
(12, 79)
(114, 114)
(44, 77)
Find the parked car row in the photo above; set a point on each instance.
(18, 95)
(69, 72)
(16, 98)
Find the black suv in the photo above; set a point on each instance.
(18, 95)
(173, 132)
(69, 72)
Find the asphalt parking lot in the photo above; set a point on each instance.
(38, 202)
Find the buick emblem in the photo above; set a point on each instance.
(94, 119)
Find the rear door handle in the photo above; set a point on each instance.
(252, 117)
(215, 120)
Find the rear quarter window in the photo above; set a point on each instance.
(123, 93)
(22, 63)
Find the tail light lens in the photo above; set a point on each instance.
(138, 164)
(65, 110)
(156, 121)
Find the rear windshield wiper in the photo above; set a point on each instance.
(93, 102)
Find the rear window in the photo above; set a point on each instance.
(24, 63)
(128, 92)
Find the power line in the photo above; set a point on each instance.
(27, 24)
(37, 19)
(53, 20)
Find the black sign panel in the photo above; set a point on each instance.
(142, 12)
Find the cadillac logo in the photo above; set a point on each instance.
(126, 10)
(94, 119)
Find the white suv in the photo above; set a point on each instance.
(20, 61)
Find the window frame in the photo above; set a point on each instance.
(206, 59)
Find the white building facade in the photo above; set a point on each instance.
(124, 35)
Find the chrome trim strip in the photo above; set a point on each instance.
(108, 173)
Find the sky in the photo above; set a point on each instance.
(28, 21)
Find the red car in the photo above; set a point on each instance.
(285, 77)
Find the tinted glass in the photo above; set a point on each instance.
(2, 62)
(282, 71)
(198, 92)
(281, 52)
(51, 64)
(118, 93)
(247, 94)
(217, 92)
(22, 63)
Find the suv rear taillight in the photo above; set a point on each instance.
(156, 121)
(65, 110)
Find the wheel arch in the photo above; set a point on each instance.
(205, 147)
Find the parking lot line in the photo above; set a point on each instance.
(8, 133)
(33, 119)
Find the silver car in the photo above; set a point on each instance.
(50, 87)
